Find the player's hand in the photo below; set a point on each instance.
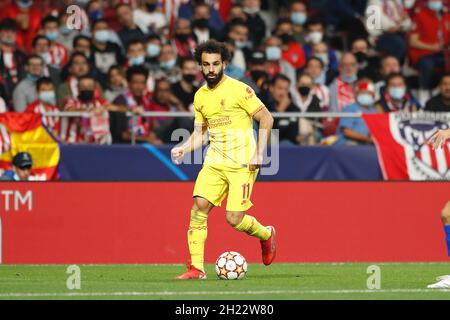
(438, 139)
(177, 153)
(255, 162)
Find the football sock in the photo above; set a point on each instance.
(197, 233)
(447, 238)
(252, 227)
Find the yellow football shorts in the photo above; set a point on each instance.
(214, 185)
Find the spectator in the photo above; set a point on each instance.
(306, 101)
(41, 47)
(299, 16)
(116, 84)
(201, 29)
(274, 63)
(315, 34)
(187, 11)
(136, 100)
(354, 130)
(341, 90)
(367, 65)
(135, 53)
(238, 34)
(12, 60)
(45, 102)
(92, 128)
(320, 51)
(25, 92)
(256, 76)
(394, 22)
(21, 168)
(66, 32)
(255, 22)
(59, 55)
(153, 44)
(428, 40)
(292, 52)
(105, 53)
(183, 40)
(278, 101)
(78, 67)
(129, 30)
(315, 68)
(236, 12)
(148, 16)
(389, 65)
(28, 19)
(168, 64)
(186, 88)
(396, 96)
(441, 102)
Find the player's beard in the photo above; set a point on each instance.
(212, 82)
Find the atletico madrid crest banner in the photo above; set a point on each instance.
(403, 154)
(21, 132)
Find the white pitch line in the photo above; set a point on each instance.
(178, 293)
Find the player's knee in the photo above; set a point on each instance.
(234, 218)
(201, 204)
(445, 215)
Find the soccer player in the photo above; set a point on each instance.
(226, 108)
(438, 140)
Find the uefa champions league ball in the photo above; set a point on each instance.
(231, 266)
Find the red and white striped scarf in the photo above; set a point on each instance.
(52, 123)
(59, 55)
(345, 93)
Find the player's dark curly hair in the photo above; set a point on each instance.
(212, 46)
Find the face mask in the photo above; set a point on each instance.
(182, 37)
(435, 5)
(168, 64)
(273, 53)
(65, 30)
(286, 38)
(46, 57)
(304, 90)
(52, 36)
(137, 61)
(320, 79)
(349, 79)
(189, 77)
(365, 99)
(315, 37)
(102, 36)
(251, 10)
(32, 77)
(151, 6)
(397, 93)
(298, 18)
(240, 44)
(96, 15)
(153, 50)
(25, 4)
(201, 23)
(8, 42)
(86, 95)
(409, 3)
(360, 57)
(324, 57)
(47, 97)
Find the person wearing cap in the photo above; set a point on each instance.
(354, 130)
(256, 76)
(21, 170)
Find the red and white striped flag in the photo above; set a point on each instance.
(403, 154)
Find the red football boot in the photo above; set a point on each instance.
(192, 273)
(268, 247)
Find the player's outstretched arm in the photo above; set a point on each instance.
(265, 121)
(438, 139)
(195, 141)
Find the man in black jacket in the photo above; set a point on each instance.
(441, 102)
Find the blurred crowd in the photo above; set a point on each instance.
(108, 57)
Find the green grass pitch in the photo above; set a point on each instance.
(279, 281)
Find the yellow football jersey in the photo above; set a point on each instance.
(227, 110)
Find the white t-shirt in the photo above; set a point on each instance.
(145, 20)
